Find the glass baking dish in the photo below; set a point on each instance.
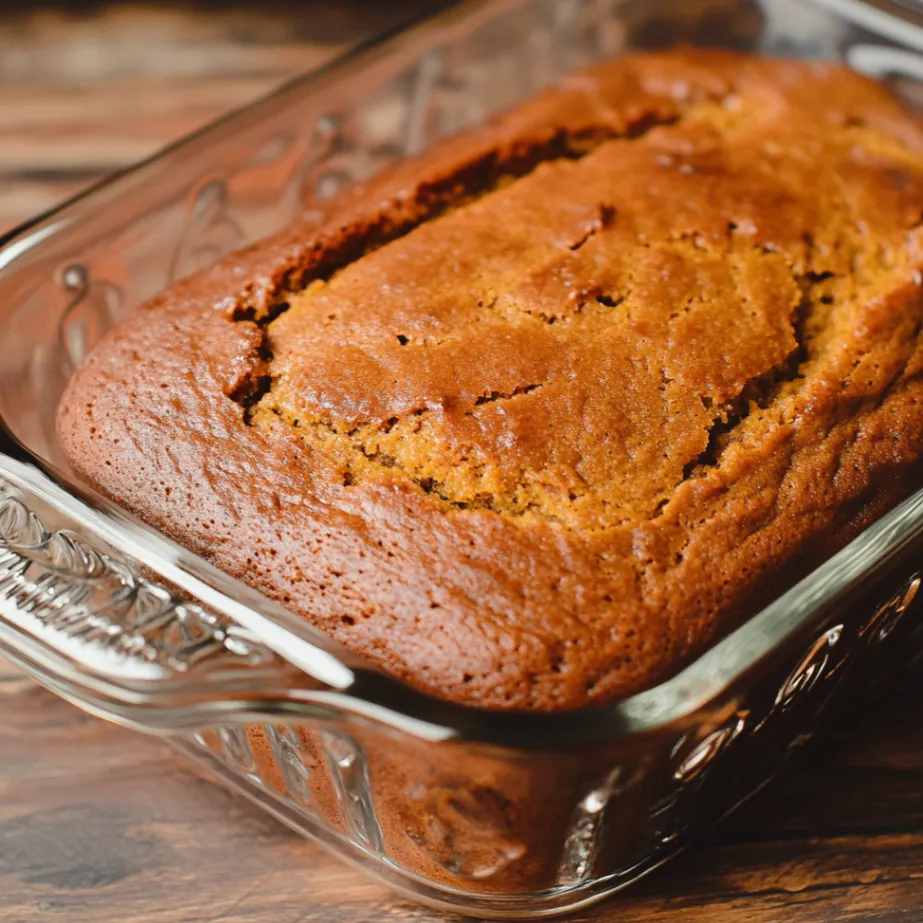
(495, 814)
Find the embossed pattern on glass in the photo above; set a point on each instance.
(55, 583)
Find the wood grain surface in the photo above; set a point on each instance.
(86, 89)
(99, 825)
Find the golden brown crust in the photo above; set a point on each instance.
(532, 419)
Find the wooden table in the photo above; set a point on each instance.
(101, 825)
(104, 826)
(86, 88)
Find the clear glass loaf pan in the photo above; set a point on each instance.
(498, 815)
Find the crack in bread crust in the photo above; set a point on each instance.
(485, 175)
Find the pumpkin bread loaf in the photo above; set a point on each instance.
(533, 418)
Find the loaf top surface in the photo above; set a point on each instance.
(533, 418)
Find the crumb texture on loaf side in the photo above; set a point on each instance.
(533, 418)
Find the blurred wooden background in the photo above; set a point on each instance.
(86, 88)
